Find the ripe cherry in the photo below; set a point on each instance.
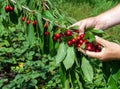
(69, 43)
(90, 48)
(74, 40)
(11, 8)
(98, 48)
(34, 23)
(78, 45)
(46, 33)
(28, 22)
(81, 41)
(23, 18)
(68, 33)
(58, 35)
(77, 31)
(78, 37)
(55, 38)
(81, 35)
(7, 8)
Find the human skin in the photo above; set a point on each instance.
(110, 51)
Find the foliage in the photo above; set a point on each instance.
(30, 58)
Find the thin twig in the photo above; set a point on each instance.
(26, 8)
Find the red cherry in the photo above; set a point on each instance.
(81, 41)
(55, 38)
(46, 33)
(69, 43)
(58, 35)
(98, 46)
(74, 40)
(77, 31)
(78, 45)
(68, 33)
(11, 9)
(89, 48)
(88, 44)
(78, 37)
(23, 18)
(97, 50)
(34, 23)
(85, 41)
(81, 35)
(28, 22)
(7, 8)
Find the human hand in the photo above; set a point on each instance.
(110, 51)
(88, 22)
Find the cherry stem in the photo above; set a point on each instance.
(32, 11)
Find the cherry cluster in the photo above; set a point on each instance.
(28, 21)
(9, 8)
(77, 41)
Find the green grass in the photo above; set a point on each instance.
(81, 9)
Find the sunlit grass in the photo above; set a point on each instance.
(86, 9)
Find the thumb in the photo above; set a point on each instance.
(101, 41)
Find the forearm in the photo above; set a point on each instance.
(108, 18)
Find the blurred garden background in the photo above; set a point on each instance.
(30, 57)
(81, 9)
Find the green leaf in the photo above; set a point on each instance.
(87, 69)
(67, 86)
(34, 75)
(71, 20)
(78, 80)
(61, 52)
(2, 81)
(97, 31)
(69, 60)
(51, 43)
(14, 17)
(73, 28)
(112, 84)
(82, 46)
(18, 4)
(34, 81)
(40, 23)
(47, 14)
(90, 36)
(116, 75)
(31, 4)
(62, 74)
(31, 34)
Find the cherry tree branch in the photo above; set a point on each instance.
(32, 11)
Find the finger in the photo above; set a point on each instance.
(102, 41)
(93, 54)
(81, 28)
(82, 50)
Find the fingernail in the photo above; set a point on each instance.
(96, 36)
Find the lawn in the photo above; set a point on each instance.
(81, 9)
